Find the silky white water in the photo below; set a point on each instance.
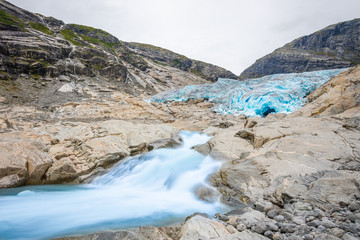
(156, 188)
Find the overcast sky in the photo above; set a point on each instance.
(228, 33)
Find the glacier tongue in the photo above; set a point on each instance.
(280, 93)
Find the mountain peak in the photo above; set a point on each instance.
(336, 46)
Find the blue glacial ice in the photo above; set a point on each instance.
(278, 93)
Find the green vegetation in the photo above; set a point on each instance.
(87, 29)
(35, 76)
(97, 41)
(198, 73)
(44, 63)
(4, 76)
(97, 67)
(94, 35)
(149, 46)
(71, 36)
(9, 19)
(41, 28)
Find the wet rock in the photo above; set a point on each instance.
(222, 217)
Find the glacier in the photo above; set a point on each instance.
(278, 93)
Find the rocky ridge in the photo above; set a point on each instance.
(336, 46)
(43, 56)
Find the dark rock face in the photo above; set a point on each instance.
(336, 46)
(204, 70)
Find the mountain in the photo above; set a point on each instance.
(336, 46)
(45, 61)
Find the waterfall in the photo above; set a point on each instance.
(156, 188)
(70, 60)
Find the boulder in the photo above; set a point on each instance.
(199, 227)
(22, 161)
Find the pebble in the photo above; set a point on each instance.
(272, 213)
(287, 228)
(288, 216)
(269, 234)
(343, 204)
(293, 237)
(222, 217)
(321, 228)
(348, 236)
(337, 232)
(241, 227)
(308, 237)
(314, 223)
(352, 217)
(327, 223)
(298, 220)
(272, 226)
(309, 219)
(259, 227)
(277, 236)
(354, 206)
(279, 218)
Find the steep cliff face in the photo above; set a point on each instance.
(336, 46)
(45, 61)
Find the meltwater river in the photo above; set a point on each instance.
(156, 188)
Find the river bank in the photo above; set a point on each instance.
(290, 176)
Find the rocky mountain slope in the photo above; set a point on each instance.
(336, 46)
(287, 176)
(45, 61)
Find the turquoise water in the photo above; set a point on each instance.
(279, 93)
(156, 188)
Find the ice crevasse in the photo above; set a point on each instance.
(278, 93)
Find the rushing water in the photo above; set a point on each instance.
(156, 188)
(281, 93)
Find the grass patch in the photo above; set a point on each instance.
(97, 67)
(97, 41)
(4, 76)
(41, 28)
(9, 19)
(198, 73)
(71, 36)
